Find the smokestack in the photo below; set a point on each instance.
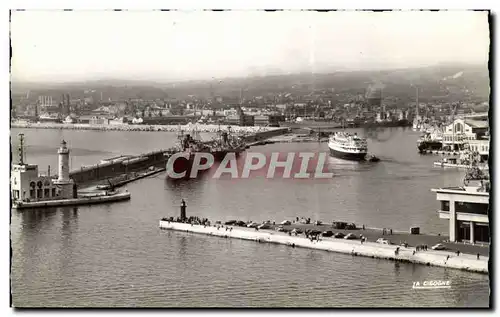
(68, 107)
(48, 171)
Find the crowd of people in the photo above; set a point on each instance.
(193, 220)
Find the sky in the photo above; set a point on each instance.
(155, 45)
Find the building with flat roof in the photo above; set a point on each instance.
(466, 208)
(482, 147)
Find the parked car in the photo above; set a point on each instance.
(350, 236)
(351, 226)
(252, 225)
(339, 235)
(230, 222)
(439, 246)
(339, 225)
(286, 222)
(383, 241)
(280, 229)
(264, 226)
(327, 233)
(241, 223)
(297, 231)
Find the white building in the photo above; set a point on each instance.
(460, 132)
(466, 208)
(230, 112)
(28, 185)
(481, 146)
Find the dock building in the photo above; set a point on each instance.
(466, 209)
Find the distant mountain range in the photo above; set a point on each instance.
(446, 81)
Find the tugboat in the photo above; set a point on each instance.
(348, 146)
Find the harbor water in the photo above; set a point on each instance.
(115, 255)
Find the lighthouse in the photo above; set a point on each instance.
(63, 181)
(63, 163)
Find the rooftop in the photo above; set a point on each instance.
(477, 123)
(469, 190)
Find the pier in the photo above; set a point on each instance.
(409, 254)
(89, 199)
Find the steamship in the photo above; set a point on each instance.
(348, 146)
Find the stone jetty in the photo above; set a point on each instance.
(466, 262)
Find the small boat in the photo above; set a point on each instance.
(465, 160)
(452, 163)
(371, 158)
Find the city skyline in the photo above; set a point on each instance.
(156, 45)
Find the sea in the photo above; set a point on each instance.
(115, 255)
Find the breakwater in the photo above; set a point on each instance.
(466, 262)
(122, 165)
(207, 128)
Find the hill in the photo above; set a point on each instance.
(440, 82)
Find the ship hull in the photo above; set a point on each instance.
(185, 165)
(429, 146)
(220, 155)
(348, 156)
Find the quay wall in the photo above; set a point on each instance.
(102, 171)
(266, 134)
(464, 262)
